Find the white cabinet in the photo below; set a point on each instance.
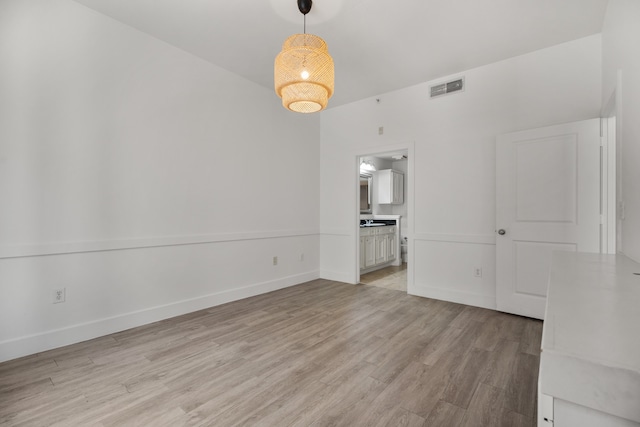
(369, 251)
(381, 249)
(390, 187)
(392, 246)
(378, 246)
(590, 361)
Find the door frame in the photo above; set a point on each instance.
(610, 137)
(359, 152)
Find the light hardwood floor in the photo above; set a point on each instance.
(392, 277)
(318, 354)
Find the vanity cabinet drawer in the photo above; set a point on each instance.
(365, 231)
(385, 230)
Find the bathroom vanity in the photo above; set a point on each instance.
(379, 242)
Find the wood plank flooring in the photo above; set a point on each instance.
(321, 353)
(391, 277)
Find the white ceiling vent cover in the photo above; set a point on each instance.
(446, 88)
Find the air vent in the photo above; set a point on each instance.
(448, 87)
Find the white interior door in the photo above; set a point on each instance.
(548, 199)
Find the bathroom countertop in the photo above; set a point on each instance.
(387, 217)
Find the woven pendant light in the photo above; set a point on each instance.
(303, 71)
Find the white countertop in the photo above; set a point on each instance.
(381, 217)
(591, 334)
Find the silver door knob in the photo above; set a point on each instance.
(502, 232)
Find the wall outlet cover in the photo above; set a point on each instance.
(59, 295)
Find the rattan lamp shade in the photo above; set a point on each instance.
(303, 74)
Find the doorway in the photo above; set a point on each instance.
(376, 247)
(392, 277)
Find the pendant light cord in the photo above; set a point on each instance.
(304, 28)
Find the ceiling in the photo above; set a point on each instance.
(377, 45)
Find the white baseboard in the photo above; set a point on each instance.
(460, 297)
(336, 276)
(31, 344)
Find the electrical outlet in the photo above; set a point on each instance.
(59, 295)
(275, 260)
(301, 257)
(381, 130)
(477, 272)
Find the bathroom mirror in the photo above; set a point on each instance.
(365, 193)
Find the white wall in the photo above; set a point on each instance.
(144, 180)
(620, 38)
(454, 142)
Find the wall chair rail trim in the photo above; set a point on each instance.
(64, 248)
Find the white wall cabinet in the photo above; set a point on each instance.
(378, 246)
(390, 187)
